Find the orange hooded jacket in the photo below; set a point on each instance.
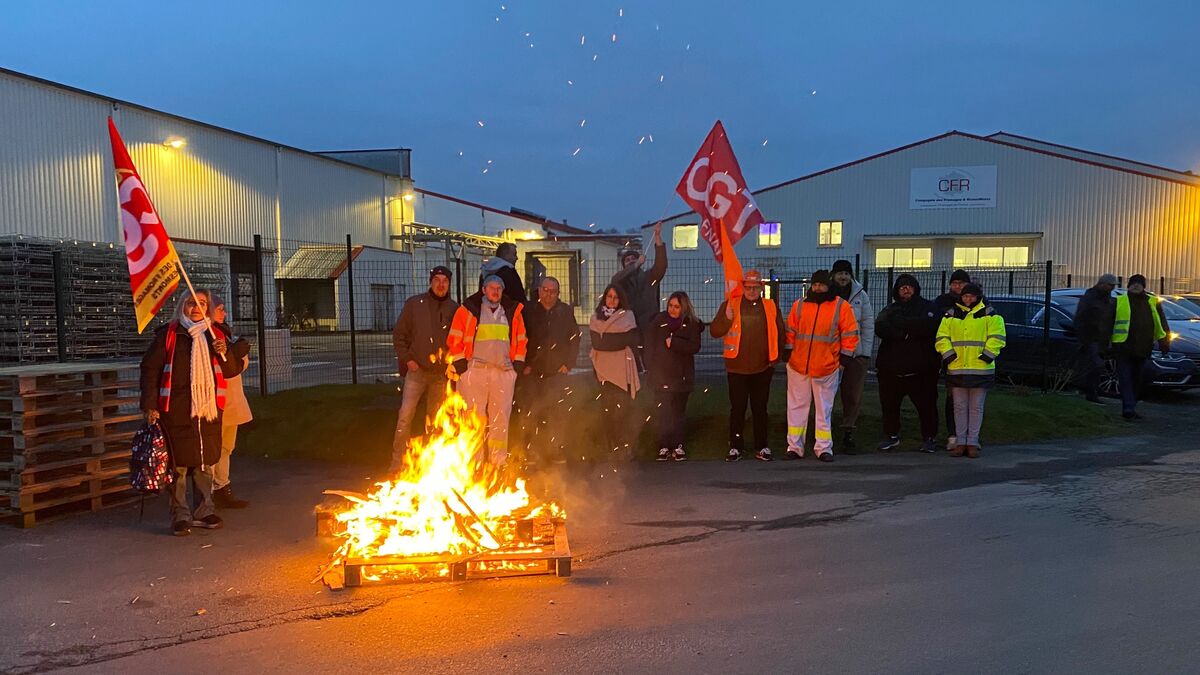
(818, 334)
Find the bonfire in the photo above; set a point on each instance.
(446, 513)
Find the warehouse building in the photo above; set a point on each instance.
(979, 202)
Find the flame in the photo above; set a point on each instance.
(448, 500)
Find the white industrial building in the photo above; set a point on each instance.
(216, 188)
(978, 202)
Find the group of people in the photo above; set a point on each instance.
(191, 388)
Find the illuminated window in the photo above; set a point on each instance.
(991, 256)
(829, 233)
(769, 235)
(905, 258)
(684, 237)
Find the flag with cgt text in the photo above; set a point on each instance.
(154, 268)
(713, 186)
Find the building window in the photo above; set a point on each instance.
(769, 235)
(991, 256)
(684, 237)
(829, 233)
(904, 258)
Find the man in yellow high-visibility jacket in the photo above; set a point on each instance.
(1138, 325)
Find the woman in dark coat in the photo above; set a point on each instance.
(673, 338)
(615, 335)
(186, 401)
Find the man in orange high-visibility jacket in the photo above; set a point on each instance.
(822, 332)
(487, 344)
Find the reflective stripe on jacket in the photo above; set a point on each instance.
(819, 333)
(969, 334)
(733, 339)
(1121, 323)
(465, 325)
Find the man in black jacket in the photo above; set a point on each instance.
(553, 352)
(945, 303)
(907, 364)
(1093, 326)
(503, 265)
(420, 341)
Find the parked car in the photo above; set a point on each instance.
(1022, 355)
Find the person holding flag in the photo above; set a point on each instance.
(184, 371)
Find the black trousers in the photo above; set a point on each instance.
(949, 410)
(670, 408)
(1090, 367)
(921, 389)
(753, 389)
(620, 421)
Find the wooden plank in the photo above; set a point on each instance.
(69, 403)
(65, 509)
(32, 495)
(73, 425)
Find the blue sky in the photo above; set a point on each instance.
(1114, 77)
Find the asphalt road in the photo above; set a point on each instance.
(1077, 557)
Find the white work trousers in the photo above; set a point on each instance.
(489, 392)
(804, 391)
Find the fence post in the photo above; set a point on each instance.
(1120, 282)
(260, 312)
(1011, 279)
(943, 288)
(1046, 326)
(857, 262)
(891, 277)
(1069, 280)
(61, 285)
(1162, 285)
(350, 295)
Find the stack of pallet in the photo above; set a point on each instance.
(65, 434)
(27, 311)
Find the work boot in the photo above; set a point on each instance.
(973, 451)
(181, 528)
(224, 499)
(958, 451)
(848, 445)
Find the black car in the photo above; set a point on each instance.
(1022, 354)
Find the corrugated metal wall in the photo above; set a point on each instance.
(56, 176)
(1091, 218)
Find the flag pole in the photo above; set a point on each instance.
(192, 290)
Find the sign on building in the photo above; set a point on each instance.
(952, 187)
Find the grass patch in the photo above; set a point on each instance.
(354, 424)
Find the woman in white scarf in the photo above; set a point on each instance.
(614, 336)
(179, 387)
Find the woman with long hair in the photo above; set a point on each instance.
(183, 387)
(672, 340)
(614, 336)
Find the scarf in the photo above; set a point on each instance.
(618, 368)
(819, 297)
(164, 387)
(673, 324)
(605, 313)
(204, 390)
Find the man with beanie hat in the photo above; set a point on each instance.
(419, 337)
(946, 302)
(487, 344)
(1137, 327)
(1093, 326)
(823, 336)
(854, 370)
(907, 364)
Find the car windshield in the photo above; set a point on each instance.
(1176, 311)
(1068, 303)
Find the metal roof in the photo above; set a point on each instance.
(316, 262)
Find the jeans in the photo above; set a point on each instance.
(968, 413)
(671, 411)
(202, 488)
(921, 389)
(753, 389)
(417, 383)
(1091, 366)
(1129, 379)
(854, 376)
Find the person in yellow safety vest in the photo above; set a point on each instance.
(1138, 325)
(969, 339)
(823, 335)
(754, 338)
(487, 345)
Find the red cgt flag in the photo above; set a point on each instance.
(154, 269)
(713, 186)
(732, 268)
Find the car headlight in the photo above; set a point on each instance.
(1170, 357)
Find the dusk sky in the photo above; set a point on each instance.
(800, 86)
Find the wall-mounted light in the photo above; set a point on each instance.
(175, 142)
(408, 196)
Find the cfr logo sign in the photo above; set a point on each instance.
(954, 185)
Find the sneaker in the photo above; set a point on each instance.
(825, 456)
(212, 522)
(181, 528)
(791, 455)
(225, 499)
(664, 454)
(678, 454)
(951, 442)
(849, 445)
(890, 443)
(764, 454)
(734, 455)
(1094, 400)
(929, 446)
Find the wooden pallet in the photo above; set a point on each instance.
(62, 497)
(550, 557)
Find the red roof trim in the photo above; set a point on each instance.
(1090, 152)
(337, 272)
(986, 139)
(466, 202)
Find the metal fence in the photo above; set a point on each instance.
(322, 313)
